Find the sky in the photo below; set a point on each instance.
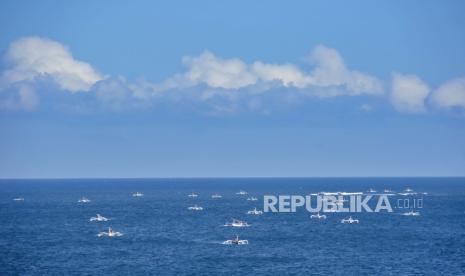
(232, 89)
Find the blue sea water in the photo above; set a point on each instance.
(49, 233)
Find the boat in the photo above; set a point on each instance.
(350, 193)
(99, 217)
(252, 198)
(255, 212)
(336, 193)
(236, 241)
(411, 213)
(371, 190)
(18, 199)
(237, 223)
(349, 220)
(110, 233)
(318, 216)
(241, 192)
(137, 194)
(193, 195)
(84, 200)
(408, 190)
(216, 196)
(407, 194)
(195, 208)
(388, 191)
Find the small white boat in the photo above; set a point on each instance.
(84, 200)
(349, 220)
(371, 190)
(241, 192)
(252, 198)
(137, 194)
(350, 193)
(193, 195)
(236, 241)
(18, 199)
(318, 216)
(215, 196)
(388, 191)
(110, 233)
(99, 217)
(195, 208)
(411, 213)
(255, 212)
(407, 194)
(237, 223)
(408, 190)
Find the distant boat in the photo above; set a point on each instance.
(252, 198)
(99, 218)
(18, 199)
(371, 190)
(110, 233)
(195, 208)
(137, 194)
(237, 223)
(84, 200)
(318, 216)
(407, 194)
(350, 193)
(241, 192)
(349, 220)
(408, 190)
(193, 195)
(236, 241)
(255, 212)
(216, 196)
(411, 213)
(388, 191)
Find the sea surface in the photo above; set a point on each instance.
(49, 233)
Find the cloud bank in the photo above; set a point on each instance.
(329, 72)
(216, 83)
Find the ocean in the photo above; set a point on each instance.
(49, 232)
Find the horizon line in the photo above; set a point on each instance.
(218, 177)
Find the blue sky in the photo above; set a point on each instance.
(180, 89)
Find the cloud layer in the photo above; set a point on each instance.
(219, 84)
(329, 72)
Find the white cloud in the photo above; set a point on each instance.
(331, 71)
(31, 58)
(409, 93)
(288, 74)
(330, 76)
(216, 72)
(450, 94)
